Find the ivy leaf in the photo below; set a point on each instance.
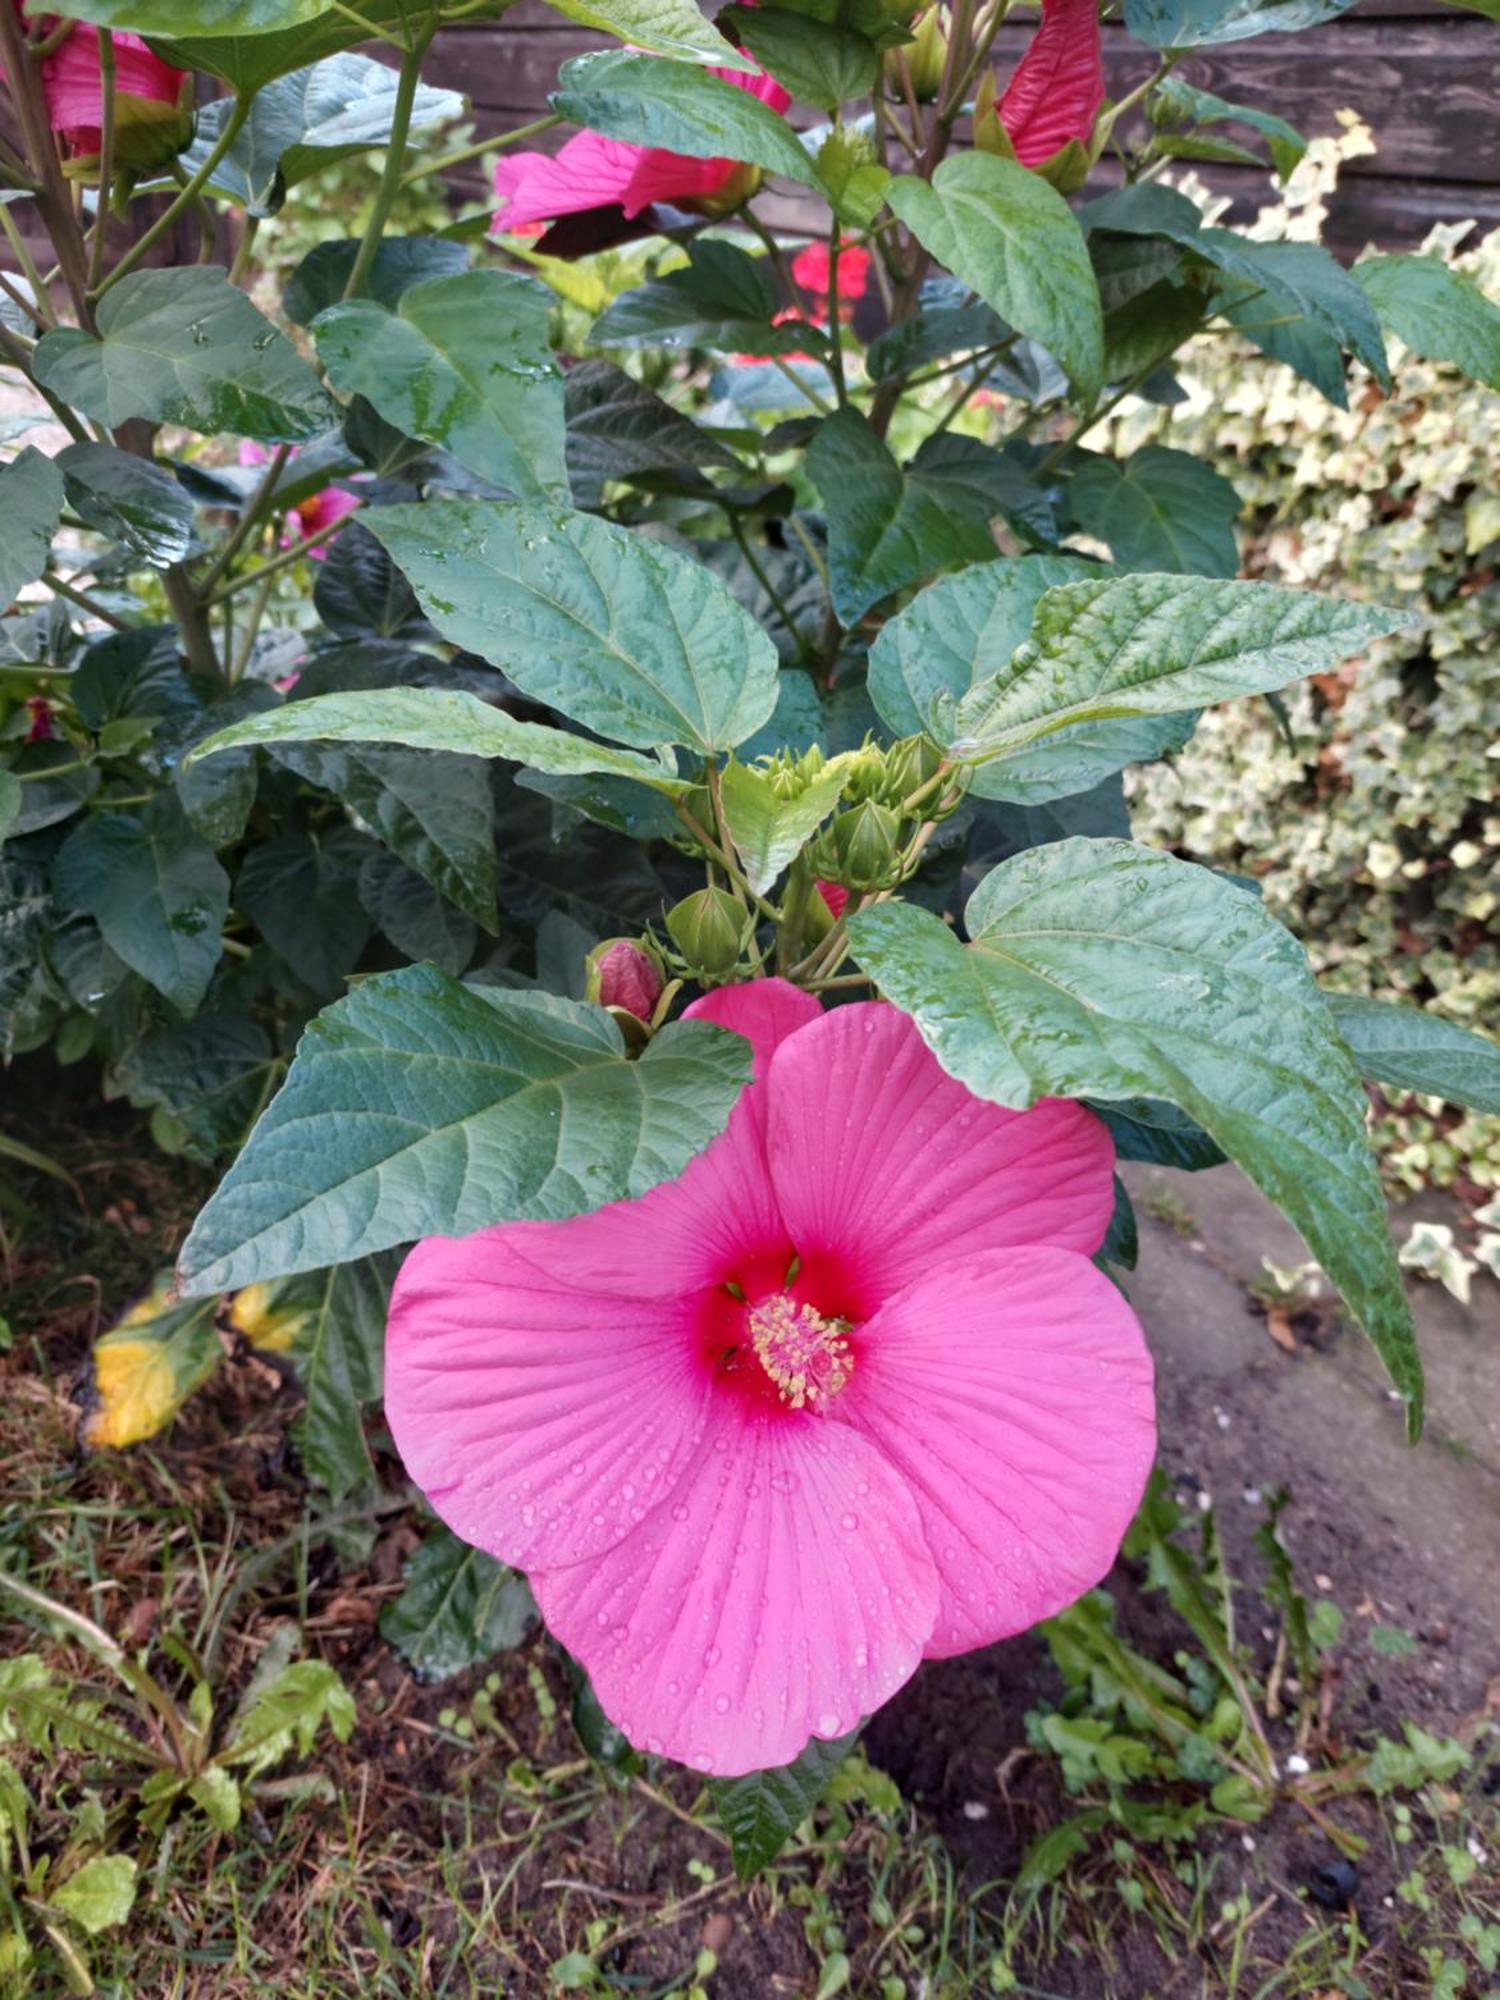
(132, 500)
(1407, 1049)
(1158, 510)
(302, 123)
(648, 102)
(462, 362)
(1436, 311)
(185, 347)
(761, 1811)
(891, 525)
(1156, 645)
(722, 298)
(769, 831)
(438, 719)
(1013, 241)
(155, 891)
(1102, 970)
(31, 501)
(419, 1107)
(459, 1608)
(629, 638)
(99, 1895)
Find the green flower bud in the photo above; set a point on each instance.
(860, 849)
(866, 774)
(923, 59)
(708, 928)
(910, 764)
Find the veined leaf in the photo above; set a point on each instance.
(459, 1608)
(1103, 970)
(769, 831)
(1436, 311)
(133, 500)
(629, 638)
(665, 27)
(1155, 645)
(761, 1811)
(31, 501)
(1405, 1048)
(419, 1107)
(649, 102)
(1159, 509)
(186, 347)
(438, 719)
(1014, 241)
(463, 362)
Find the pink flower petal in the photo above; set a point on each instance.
(541, 1421)
(1057, 87)
(784, 1591)
(71, 85)
(1013, 1392)
(720, 1217)
(882, 1160)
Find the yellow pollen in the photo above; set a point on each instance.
(805, 1355)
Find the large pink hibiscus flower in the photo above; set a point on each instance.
(1057, 88)
(847, 1394)
(153, 101)
(591, 171)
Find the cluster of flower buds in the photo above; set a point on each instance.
(864, 845)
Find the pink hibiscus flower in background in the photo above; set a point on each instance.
(1057, 89)
(810, 269)
(153, 101)
(846, 1395)
(321, 512)
(591, 171)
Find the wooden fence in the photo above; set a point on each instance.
(1424, 77)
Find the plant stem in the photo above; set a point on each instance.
(52, 198)
(106, 154)
(1089, 422)
(495, 144)
(191, 614)
(42, 310)
(278, 562)
(84, 602)
(151, 236)
(395, 161)
(803, 643)
(250, 518)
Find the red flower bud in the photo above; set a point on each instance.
(1057, 89)
(41, 730)
(622, 974)
(835, 895)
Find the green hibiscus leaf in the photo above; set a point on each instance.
(1436, 311)
(1102, 970)
(156, 892)
(130, 499)
(419, 1107)
(1158, 510)
(722, 298)
(666, 27)
(31, 501)
(1407, 1049)
(186, 347)
(464, 362)
(628, 638)
(648, 102)
(1014, 242)
(761, 1811)
(459, 1608)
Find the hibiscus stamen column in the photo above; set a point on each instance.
(804, 1354)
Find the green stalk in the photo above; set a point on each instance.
(106, 154)
(148, 238)
(395, 162)
(480, 146)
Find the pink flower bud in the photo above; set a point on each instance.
(835, 895)
(622, 974)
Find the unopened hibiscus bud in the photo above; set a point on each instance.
(623, 973)
(42, 729)
(861, 847)
(153, 103)
(707, 928)
(731, 193)
(790, 776)
(910, 765)
(866, 776)
(924, 60)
